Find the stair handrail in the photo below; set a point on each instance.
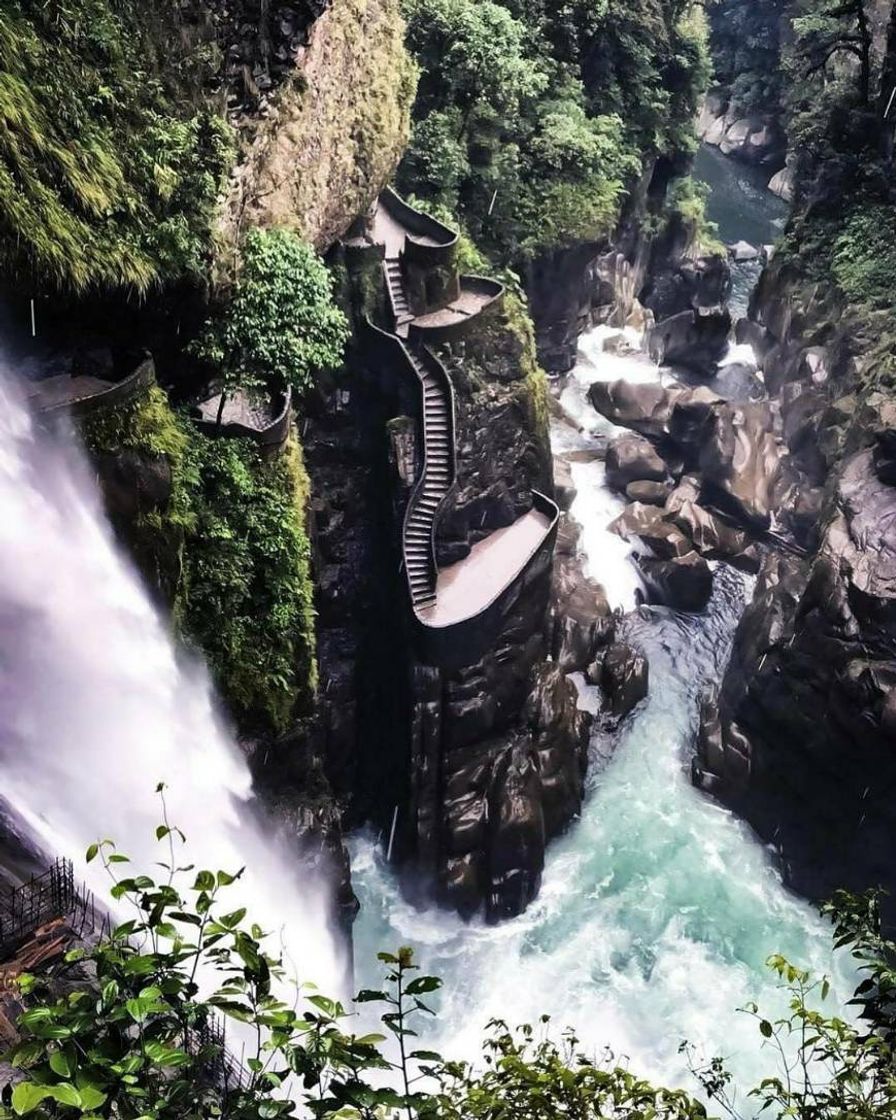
(436, 367)
(385, 270)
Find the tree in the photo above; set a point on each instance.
(833, 28)
(281, 325)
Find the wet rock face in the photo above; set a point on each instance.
(695, 340)
(625, 678)
(805, 739)
(801, 735)
(261, 42)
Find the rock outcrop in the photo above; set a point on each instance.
(800, 735)
(756, 138)
(326, 145)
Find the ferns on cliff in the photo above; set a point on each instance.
(108, 178)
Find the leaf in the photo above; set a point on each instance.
(368, 995)
(205, 881)
(765, 1028)
(426, 1055)
(59, 1064)
(26, 1097)
(423, 984)
(92, 852)
(91, 1098)
(65, 1094)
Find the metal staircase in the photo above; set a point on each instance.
(434, 484)
(398, 295)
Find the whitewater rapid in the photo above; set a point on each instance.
(97, 707)
(659, 907)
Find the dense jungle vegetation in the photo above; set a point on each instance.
(534, 120)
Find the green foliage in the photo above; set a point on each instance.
(746, 51)
(230, 551)
(108, 177)
(864, 255)
(532, 120)
(126, 1029)
(688, 198)
(280, 325)
(247, 596)
(149, 430)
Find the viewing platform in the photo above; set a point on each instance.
(83, 395)
(458, 610)
(265, 421)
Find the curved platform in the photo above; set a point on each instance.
(82, 396)
(242, 419)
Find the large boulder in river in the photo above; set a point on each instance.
(684, 582)
(625, 677)
(740, 458)
(632, 458)
(714, 538)
(643, 408)
(695, 340)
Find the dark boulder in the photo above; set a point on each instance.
(695, 340)
(632, 458)
(684, 583)
(647, 493)
(624, 678)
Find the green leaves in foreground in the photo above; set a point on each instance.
(133, 1029)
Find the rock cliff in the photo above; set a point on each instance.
(800, 736)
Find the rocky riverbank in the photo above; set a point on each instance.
(800, 735)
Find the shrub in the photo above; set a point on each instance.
(280, 325)
(864, 255)
(123, 1030)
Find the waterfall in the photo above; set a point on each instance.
(97, 706)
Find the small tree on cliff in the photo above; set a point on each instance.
(281, 325)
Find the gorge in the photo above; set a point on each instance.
(467, 497)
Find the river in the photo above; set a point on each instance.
(659, 907)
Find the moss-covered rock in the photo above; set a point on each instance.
(333, 136)
(246, 598)
(219, 532)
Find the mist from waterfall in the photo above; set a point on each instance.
(97, 706)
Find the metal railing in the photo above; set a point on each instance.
(45, 898)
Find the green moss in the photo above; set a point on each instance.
(247, 597)
(229, 551)
(149, 429)
(536, 380)
(109, 171)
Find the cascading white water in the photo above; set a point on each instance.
(659, 907)
(96, 706)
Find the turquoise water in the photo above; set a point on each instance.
(744, 209)
(658, 908)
